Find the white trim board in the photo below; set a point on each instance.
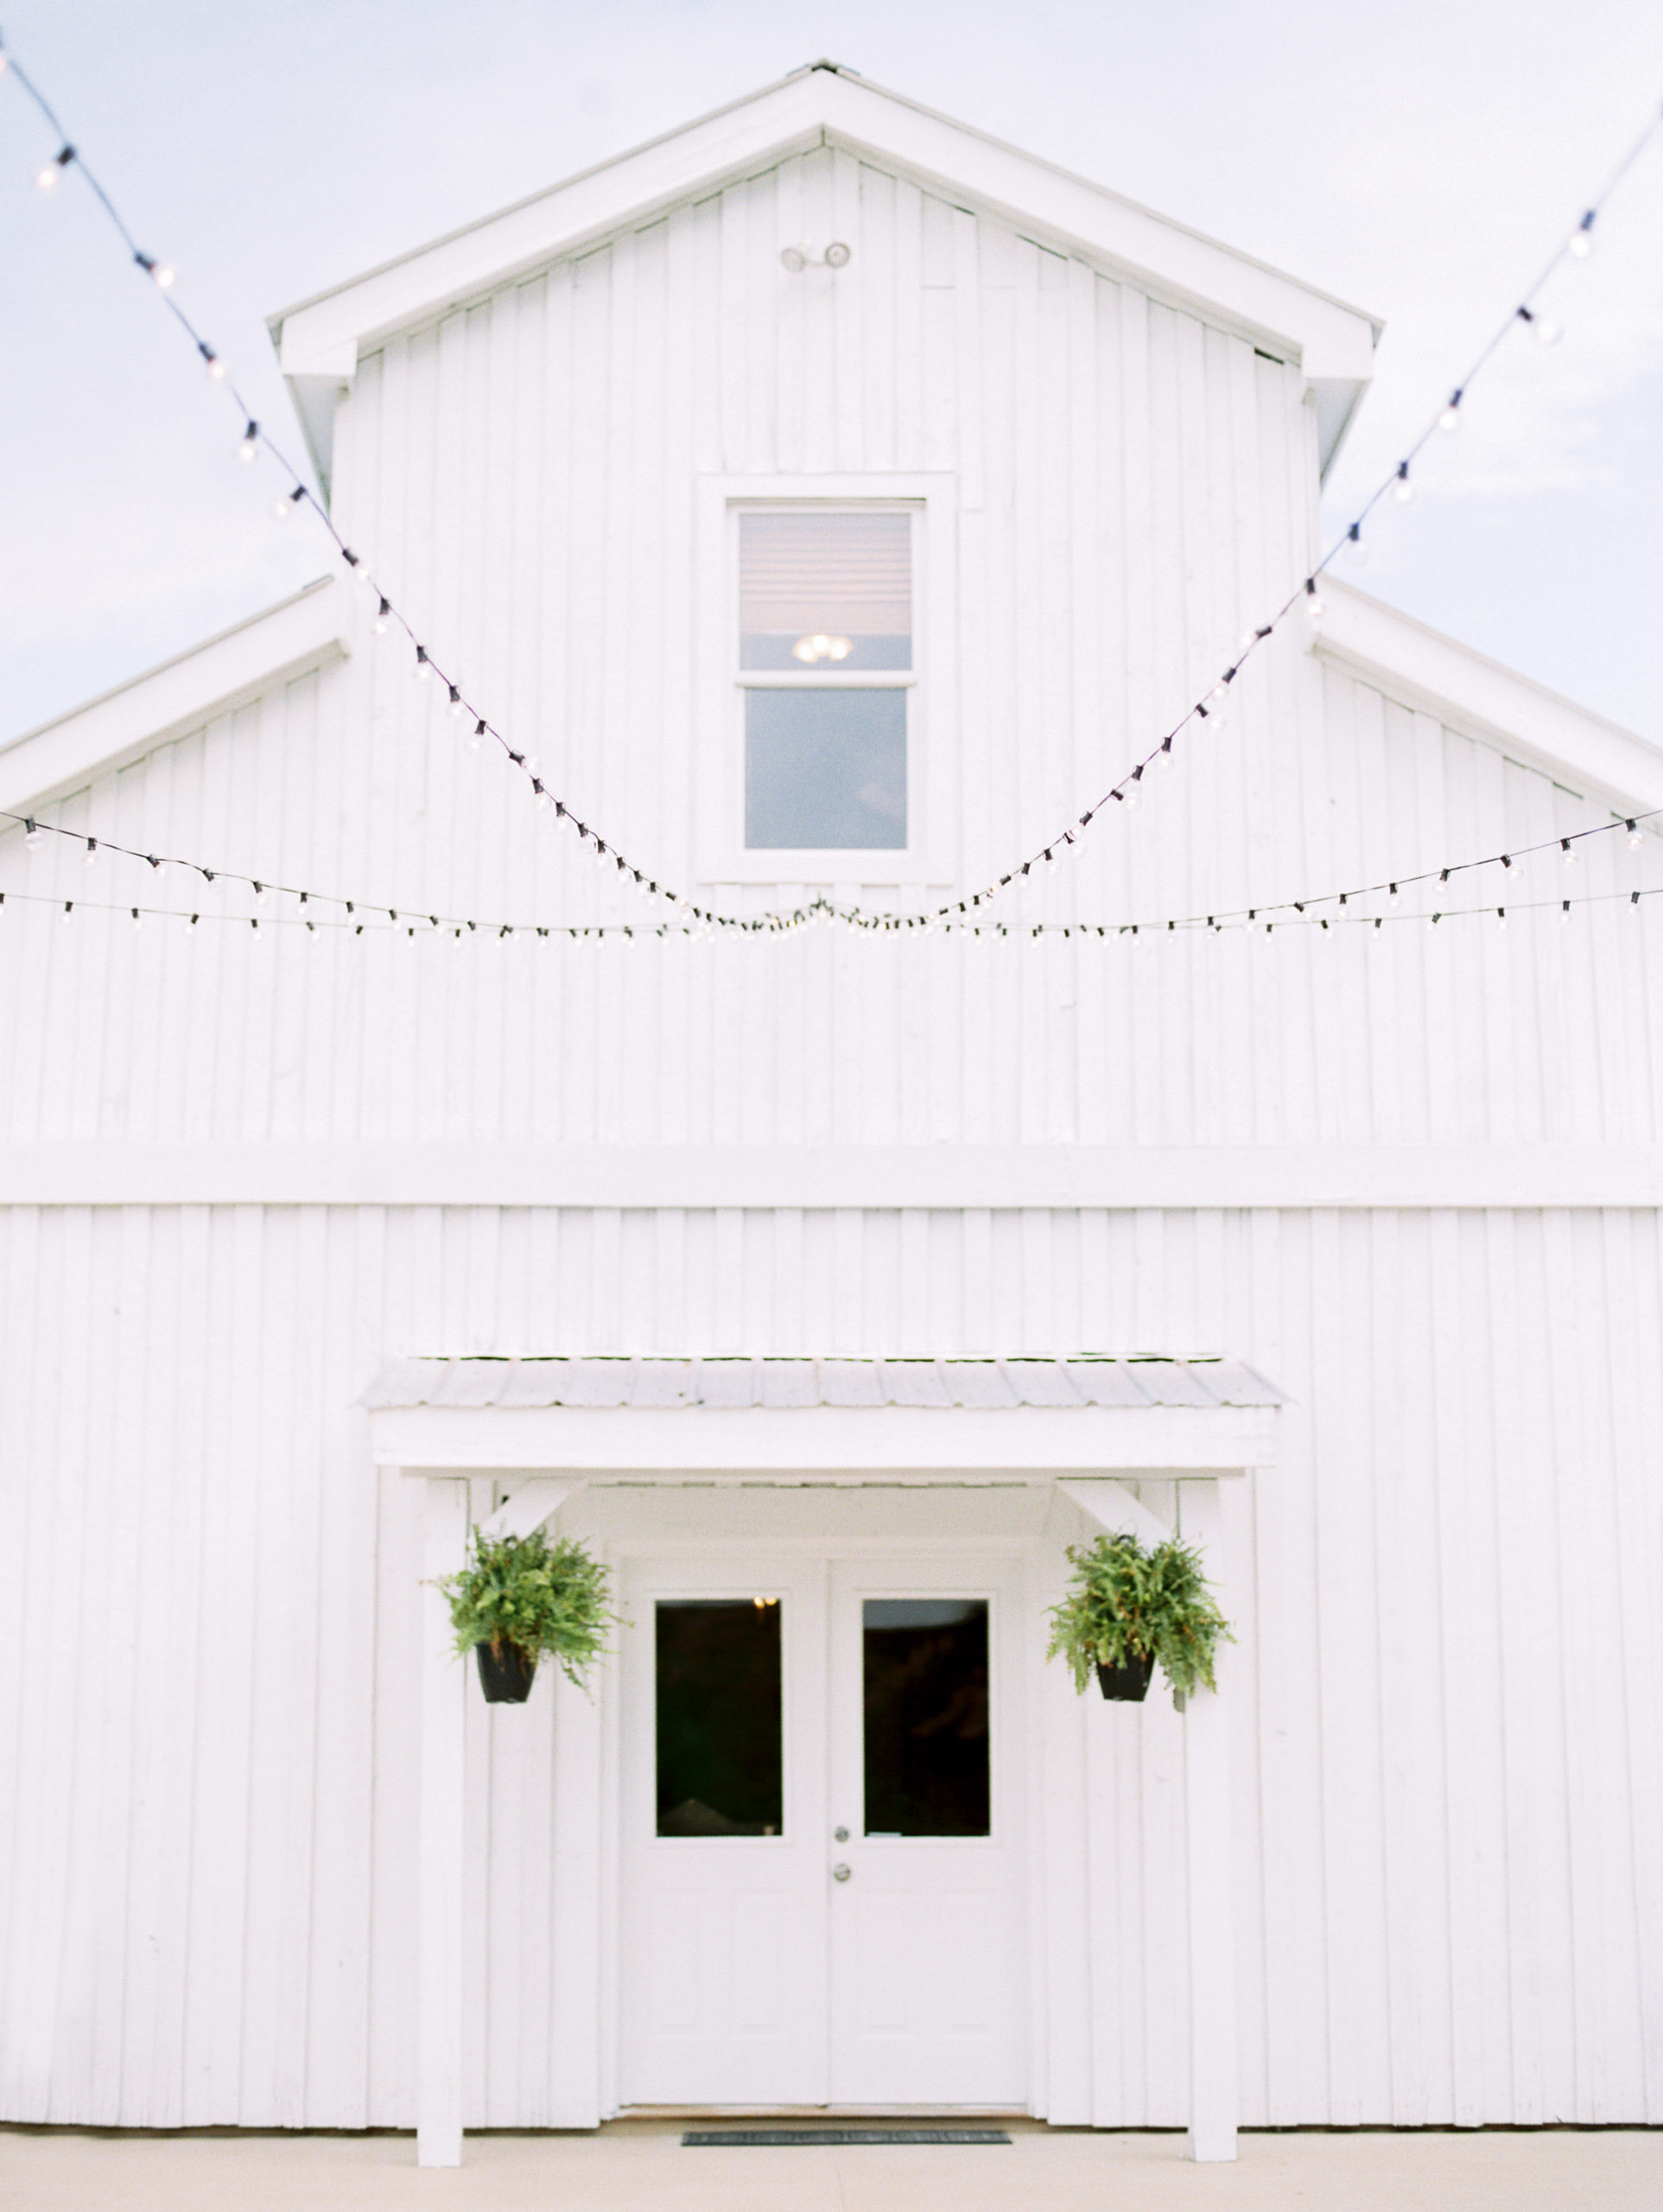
(288, 640)
(92, 1173)
(859, 1441)
(326, 336)
(1419, 668)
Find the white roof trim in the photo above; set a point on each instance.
(1419, 668)
(290, 639)
(323, 336)
(793, 1417)
(826, 1440)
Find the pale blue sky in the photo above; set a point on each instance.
(1416, 159)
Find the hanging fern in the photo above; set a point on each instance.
(1125, 1603)
(524, 1591)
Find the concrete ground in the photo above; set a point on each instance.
(640, 2166)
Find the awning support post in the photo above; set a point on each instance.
(1209, 1850)
(444, 1800)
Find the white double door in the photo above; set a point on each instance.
(822, 1898)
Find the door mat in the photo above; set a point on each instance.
(770, 2138)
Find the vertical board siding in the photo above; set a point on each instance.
(1447, 1757)
(1547, 1032)
(1446, 1703)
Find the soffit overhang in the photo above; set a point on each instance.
(321, 338)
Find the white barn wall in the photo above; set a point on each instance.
(1447, 1741)
(1548, 1032)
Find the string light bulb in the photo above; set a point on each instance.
(33, 833)
(475, 737)
(249, 445)
(1633, 837)
(1356, 550)
(45, 178)
(91, 852)
(1450, 418)
(1567, 852)
(1579, 244)
(382, 616)
(1314, 607)
(1403, 490)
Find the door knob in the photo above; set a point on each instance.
(839, 1873)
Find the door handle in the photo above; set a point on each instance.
(840, 1873)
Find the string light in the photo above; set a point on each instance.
(267, 929)
(250, 444)
(1548, 332)
(45, 178)
(1403, 490)
(1579, 244)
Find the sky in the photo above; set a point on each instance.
(1419, 161)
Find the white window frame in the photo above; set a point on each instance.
(931, 685)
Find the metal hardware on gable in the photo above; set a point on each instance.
(797, 258)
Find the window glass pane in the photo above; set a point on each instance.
(825, 770)
(926, 1662)
(717, 1671)
(825, 591)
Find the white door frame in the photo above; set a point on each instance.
(534, 1497)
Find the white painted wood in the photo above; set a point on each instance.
(528, 1505)
(1116, 1510)
(304, 632)
(1354, 1177)
(925, 1992)
(824, 1438)
(723, 1991)
(813, 107)
(1209, 1815)
(439, 1931)
(1414, 1176)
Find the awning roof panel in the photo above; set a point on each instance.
(801, 1384)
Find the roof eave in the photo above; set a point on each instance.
(303, 633)
(323, 336)
(1421, 668)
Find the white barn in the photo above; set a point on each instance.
(855, 1274)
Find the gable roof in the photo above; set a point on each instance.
(320, 340)
(293, 637)
(1419, 667)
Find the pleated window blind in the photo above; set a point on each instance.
(826, 591)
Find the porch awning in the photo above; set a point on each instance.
(746, 1415)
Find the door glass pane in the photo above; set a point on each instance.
(717, 1671)
(825, 770)
(925, 1662)
(828, 590)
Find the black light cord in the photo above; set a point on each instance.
(1126, 792)
(956, 919)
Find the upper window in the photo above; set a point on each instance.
(825, 662)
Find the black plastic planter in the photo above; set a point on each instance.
(1129, 1683)
(506, 1674)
